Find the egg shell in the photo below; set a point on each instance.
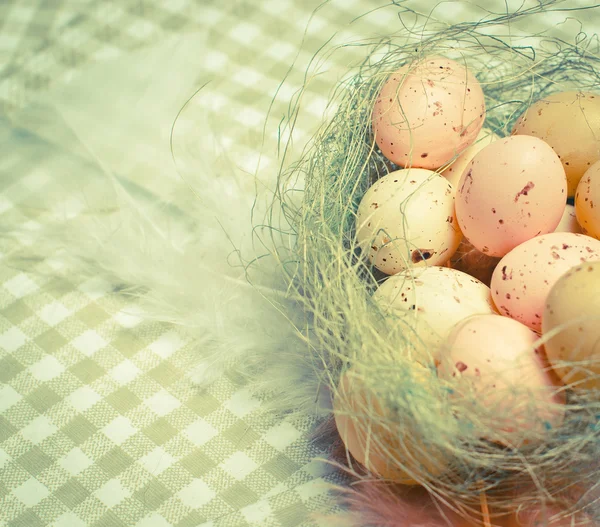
(496, 361)
(434, 300)
(570, 123)
(568, 222)
(571, 320)
(407, 219)
(587, 201)
(428, 112)
(454, 171)
(368, 431)
(512, 190)
(523, 278)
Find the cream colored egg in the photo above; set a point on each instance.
(434, 300)
(379, 439)
(570, 123)
(523, 278)
(407, 219)
(571, 321)
(497, 362)
(428, 112)
(587, 201)
(568, 222)
(453, 172)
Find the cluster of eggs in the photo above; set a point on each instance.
(504, 199)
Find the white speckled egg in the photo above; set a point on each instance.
(512, 190)
(523, 278)
(496, 361)
(427, 112)
(587, 201)
(454, 171)
(406, 219)
(436, 298)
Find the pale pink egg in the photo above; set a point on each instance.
(512, 190)
(427, 113)
(522, 279)
(496, 361)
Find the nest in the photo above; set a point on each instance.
(333, 281)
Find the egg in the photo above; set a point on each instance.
(376, 438)
(406, 219)
(496, 361)
(570, 123)
(512, 190)
(434, 300)
(428, 112)
(568, 222)
(571, 321)
(523, 278)
(587, 201)
(453, 172)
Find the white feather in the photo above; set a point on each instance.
(170, 220)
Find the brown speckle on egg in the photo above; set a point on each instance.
(461, 366)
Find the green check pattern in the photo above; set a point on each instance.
(99, 424)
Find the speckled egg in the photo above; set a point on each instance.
(571, 321)
(376, 437)
(568, 222)
(436, 297)
(427, 113)
(587, 201)
(570, 123)
(523, 278)
(512, 190)
(407, 219)
(497, 362)
(454, 171)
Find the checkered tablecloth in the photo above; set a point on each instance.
(99, 423)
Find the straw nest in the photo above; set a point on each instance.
(437, 439)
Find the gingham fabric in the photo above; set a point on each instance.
(99, 426)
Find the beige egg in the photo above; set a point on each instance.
(570, 123)
(571, 321)
(568, 222)
(406, 219)
(377, 438)
(428, 112)
(434, 300)
(453, 171)
(587, 201)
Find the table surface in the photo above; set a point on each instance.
(99, 423)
